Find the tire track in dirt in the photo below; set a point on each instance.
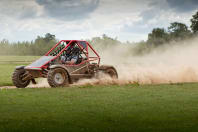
(7, 87)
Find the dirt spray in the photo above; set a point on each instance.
(175, 62)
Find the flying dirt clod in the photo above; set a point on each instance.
(64, 64)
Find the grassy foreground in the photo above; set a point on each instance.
(101, 108)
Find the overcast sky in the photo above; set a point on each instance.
(128, 20)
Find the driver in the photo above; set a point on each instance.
(71, 59)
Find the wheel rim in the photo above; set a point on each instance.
(59, 78)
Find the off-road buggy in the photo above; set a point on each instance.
(58, 72)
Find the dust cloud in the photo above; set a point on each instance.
(41, 83)
(176, 62)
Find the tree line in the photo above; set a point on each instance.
(176, 32)
(34, 48)
(159, 36)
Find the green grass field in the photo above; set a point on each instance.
(169, 108)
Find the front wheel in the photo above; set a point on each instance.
(17, 78)
(58, 77)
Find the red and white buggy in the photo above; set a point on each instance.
(60, 73)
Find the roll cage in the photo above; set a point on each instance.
(65, 46)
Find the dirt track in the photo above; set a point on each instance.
(7, 87)
(30, 86)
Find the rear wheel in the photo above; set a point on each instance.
(17, 78)
(111, 72)
(58, 77)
